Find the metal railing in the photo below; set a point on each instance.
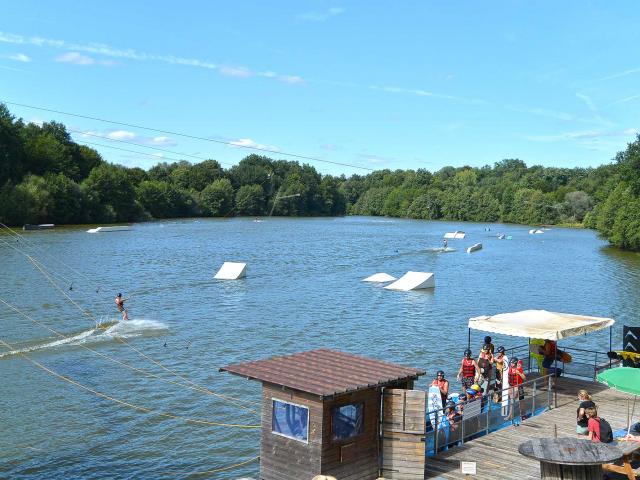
(584, 363)
(476, 417)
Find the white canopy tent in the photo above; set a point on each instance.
(539, 324)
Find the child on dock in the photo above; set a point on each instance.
(582, 426)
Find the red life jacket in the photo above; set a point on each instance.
(468, 369)
(514, 378)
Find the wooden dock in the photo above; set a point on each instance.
(496, 454)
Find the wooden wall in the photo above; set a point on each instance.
(354, 458)
(357, 458)
(283, 458)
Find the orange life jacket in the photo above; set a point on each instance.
(438, 383)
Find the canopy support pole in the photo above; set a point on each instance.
(469, 338)
(610, 344)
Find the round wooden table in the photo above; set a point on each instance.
(570, 458)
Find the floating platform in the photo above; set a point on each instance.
(231, 271)
(41, 226)
(457, 235)
(413, 281)
(380, 278)
(474, 248)
(535, 231)
(114, 228)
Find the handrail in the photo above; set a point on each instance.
(525, 384)
(490, 417)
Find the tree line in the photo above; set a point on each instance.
(45, 177)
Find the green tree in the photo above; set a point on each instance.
(216, 199)
(427, 206)
(250, 200)
(11, 148)
(67, 200)
(576, 205)
(111, 196)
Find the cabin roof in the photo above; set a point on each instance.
(324, 372)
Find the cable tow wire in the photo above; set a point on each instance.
(126, 365)
(185, 135)
(216, 470)
(127, 404)
(88, 313)
(32, 245)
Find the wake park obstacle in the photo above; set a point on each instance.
(413, 281)
(231, 271)
(380, 278)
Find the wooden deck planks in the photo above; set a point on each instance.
(496, 455)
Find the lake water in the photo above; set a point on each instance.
(303, 291)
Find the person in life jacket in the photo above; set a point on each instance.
(120, 306)
(487, 342)
(516, 379)
(498, 360)
(469, 371)
(442, 384)
(485, 361)
(549, 350)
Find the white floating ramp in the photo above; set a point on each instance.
(474, 248)
(413, 281)
(380, 278)
(457, 235)
(114, 228)
(231, 271)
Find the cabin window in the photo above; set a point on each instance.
(347, 421)
(290, 420)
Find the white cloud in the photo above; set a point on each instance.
(583, 135)
(248, 143)
(129, 137)
(74, 56)
(426, 93)
(624, 100)
(20, 57)
(229, 71)
(321, 16)
(631, 71)
(121, 135)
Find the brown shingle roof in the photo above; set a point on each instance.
(324, 372)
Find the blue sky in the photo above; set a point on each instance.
(413, 84)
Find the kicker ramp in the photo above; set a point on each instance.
(380, 278)
(413, 281)
(231, 271)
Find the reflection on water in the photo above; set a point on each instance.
(303, 290)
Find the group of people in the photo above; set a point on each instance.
(588, 421)
(478, 377)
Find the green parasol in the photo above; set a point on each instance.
(624, 379)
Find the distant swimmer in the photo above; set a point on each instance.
(120, 305)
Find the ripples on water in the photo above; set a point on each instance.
(303, 291)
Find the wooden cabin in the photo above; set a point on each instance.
(321, 413)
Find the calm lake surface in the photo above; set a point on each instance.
(303, 291)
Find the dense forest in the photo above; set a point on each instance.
(45, 177)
